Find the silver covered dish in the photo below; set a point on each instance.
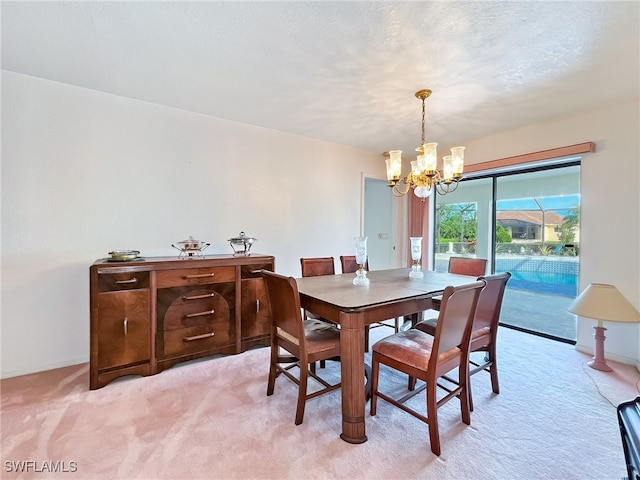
(241, 244)
(190, 247)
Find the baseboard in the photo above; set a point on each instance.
(53, 366)
(611, 356)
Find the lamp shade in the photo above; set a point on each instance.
(605, 303)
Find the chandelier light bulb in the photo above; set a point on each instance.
(447, 168)
(457, 160)
(394, 165)
(430, 156)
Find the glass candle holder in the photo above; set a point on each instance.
(361, 279)
(416, 255)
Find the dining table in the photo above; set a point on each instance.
(390, 294)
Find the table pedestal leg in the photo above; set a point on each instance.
(353, 378)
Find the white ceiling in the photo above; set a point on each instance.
(345, 72)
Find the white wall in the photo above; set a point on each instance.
(610, 205)
(84, 173)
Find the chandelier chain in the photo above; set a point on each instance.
(423, 142)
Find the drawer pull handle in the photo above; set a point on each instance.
(257, 306)
(200, 275)
(198, 297)
(199, 314)
(126, 325)
(198, 337)
(122, 282)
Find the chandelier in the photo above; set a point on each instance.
(424, 176)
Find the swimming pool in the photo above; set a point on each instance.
(543, 274)
(562, 284)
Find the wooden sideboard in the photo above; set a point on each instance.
(150, 313)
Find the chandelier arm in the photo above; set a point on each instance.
(456, 183)
(395, 192)
(398, 192)
(444, 188)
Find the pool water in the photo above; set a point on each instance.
(555, 283)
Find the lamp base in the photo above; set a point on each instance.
(598, 362)
(602, 366)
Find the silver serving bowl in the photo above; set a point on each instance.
(124, 254)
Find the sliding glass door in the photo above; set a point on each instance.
(526, 223)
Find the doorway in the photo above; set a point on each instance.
(380, 220)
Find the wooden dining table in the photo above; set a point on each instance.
(390, 294)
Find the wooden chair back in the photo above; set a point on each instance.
(349, 264)
(474, 267)
(316, 266)
(284, 305)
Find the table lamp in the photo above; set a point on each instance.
(603, 303)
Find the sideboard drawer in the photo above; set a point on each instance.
(111, 282)
(195, 276)
(186, 341)
(196, 307)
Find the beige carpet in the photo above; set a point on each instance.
(211, 419)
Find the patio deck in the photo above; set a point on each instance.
(542, 312)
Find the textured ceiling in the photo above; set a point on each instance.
(344, 72)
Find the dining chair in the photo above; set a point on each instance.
(428, 358)
(349, 265)
(474, 267)
(315, 267)
(307, 341)
(484, 331)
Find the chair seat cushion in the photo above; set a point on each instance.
(429, 326)
(412, 348)
(481, 332)
(320, 336)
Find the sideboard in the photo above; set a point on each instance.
(150, 313)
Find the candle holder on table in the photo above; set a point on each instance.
(361, 279)
(416, 255)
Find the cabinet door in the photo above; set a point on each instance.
(123, 328)
(255, 310)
